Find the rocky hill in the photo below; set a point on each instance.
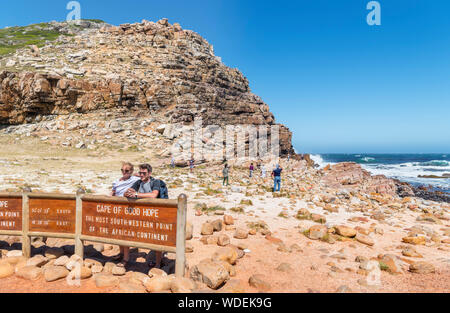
(157, 69)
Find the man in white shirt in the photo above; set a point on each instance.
(127, 181)
(119, 189)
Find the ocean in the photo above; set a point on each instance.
(404, 167)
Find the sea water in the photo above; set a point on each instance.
(404, 167)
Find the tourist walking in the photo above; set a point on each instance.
(263, 171)
(252, 168)
(277, 178)
(191, 164)
(225, 173)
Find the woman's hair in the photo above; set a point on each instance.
(128, 164)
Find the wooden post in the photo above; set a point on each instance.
(180, 265)
(26, 242)
(79, 247)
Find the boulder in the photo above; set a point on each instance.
(317, 232)
(207, 229)
(422, 268)
(157, 283)
(106, 280)
(53, 273)
(259, 282)
(6, 269)
(29, 272)
(345, 231)
(182, 285)
(241, 233)
(210, 272)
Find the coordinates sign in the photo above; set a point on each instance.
(52, 215)
(11, 214)
(131, 222)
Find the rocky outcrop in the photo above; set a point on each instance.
(350, 175)
(155, 67)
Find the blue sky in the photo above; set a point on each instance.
(339, 84)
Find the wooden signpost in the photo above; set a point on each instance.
(11, 212)
(154, 224)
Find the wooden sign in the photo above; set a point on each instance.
(11, 214)
(144, 223)
(52, 215)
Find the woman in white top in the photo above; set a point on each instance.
(119, 188)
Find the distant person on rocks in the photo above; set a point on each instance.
(191, 164)
(263, 171)
(119, 188)
(225, 172)
(252, 168)
(146, 188)
(172, 162)
(277, 178)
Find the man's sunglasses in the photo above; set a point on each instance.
(143, 173)
(126, 171)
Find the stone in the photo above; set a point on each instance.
(259, 282)
(157, 283)
(29, 272)
(210, 272)
(223, 240)
(417, 240)
(108, 267)
(91, 262)
(234, 286)
(61, 261)
(422, 268)
(391, 264)
(96, 269)
(156, 272)
(53, 273)
(14, 254)
(118, 270)
(182, 285)
(228, 220)
(37, 260)
(241, 233)
(364, 239)
(207, 229)
(217, 225)
(103, 280)
(284, 267)
(138, 277)
(130, 287)
(345, 231)
(6, 269)
(85, 272)
(317, 232)
(227, 254)
(411, 252)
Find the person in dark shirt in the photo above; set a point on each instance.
(277, 178)
(252, 168)
(145, 188)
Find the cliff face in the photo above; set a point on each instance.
(156, 67)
